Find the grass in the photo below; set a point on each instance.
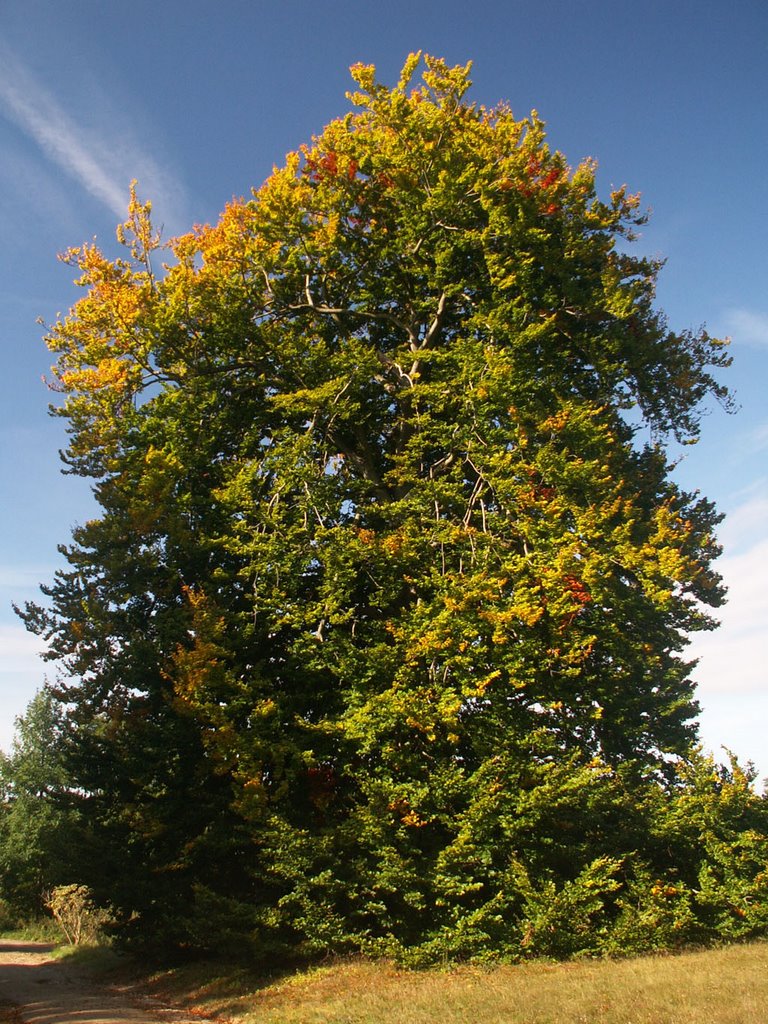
(38, 930)
(723, 986)
(716, 986)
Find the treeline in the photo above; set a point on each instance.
(377, 641)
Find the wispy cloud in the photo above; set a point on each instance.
(759, 437)
(748, 326)
(23, 578)
(102, 162)
(38, 113)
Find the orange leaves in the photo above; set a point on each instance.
(550, 178)
(540, 179)
(577, 591)
(320, 166)
(558, 421)
(578, 595)
(402, 809)
(325, 166)
(393, 544)
(103, 345)
(102, 323)
(109, 373)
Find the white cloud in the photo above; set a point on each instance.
(103, 161)
(748, 326)
(746, 525)
(737, 722)
(20, 650)
(735, 656)
(732, 673)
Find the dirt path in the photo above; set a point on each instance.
(37, 989)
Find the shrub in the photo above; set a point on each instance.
(76, 914)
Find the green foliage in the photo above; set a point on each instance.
(40, 827)
(9, 920)
(377, 642)
(720, 829)
(567, 919)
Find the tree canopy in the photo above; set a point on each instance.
(378, 639)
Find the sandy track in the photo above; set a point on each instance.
(37, 989)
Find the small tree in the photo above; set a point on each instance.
(77, 915)
(39, 821)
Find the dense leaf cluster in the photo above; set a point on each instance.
(377, 640)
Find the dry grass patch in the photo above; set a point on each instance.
(727, 986)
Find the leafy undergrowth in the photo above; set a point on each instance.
(38, 930)
(724, 986)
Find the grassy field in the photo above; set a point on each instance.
(725, 986)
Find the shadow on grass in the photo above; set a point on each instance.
(209, 986)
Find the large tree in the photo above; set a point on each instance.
(383, 569)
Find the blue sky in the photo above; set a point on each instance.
(198, 100)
